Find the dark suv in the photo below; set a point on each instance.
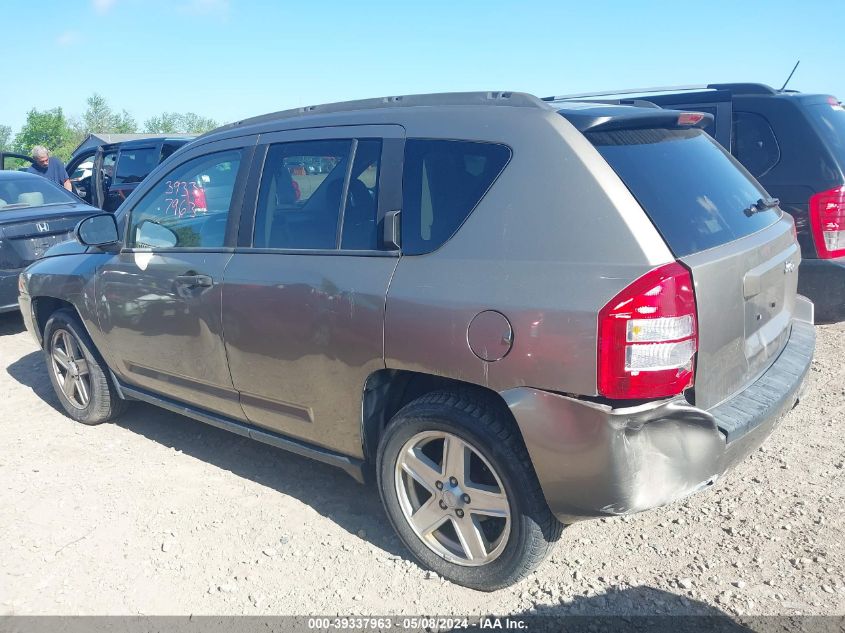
(794, 145)
(104, 176)
(485, 306)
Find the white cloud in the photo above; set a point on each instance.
(68, 38)
(103, 6)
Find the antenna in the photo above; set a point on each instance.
(790, 76)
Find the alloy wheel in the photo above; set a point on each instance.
(70, 368)
(452, 498)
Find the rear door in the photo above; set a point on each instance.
(743, 259)
(304, 294)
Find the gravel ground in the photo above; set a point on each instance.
(158, 514)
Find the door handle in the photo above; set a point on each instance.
(192, 281)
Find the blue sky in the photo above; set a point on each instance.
(229, 59)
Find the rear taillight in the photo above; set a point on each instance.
(648, 336)
(827, 222)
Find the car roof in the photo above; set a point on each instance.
(153, 140)
(430, 102)
(706, 93)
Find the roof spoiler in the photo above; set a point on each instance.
(605, 118)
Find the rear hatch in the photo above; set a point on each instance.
(26, 235)
(719, 222)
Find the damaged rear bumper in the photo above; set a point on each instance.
(595, 461)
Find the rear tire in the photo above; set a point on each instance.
(492, 526)
(77, 371)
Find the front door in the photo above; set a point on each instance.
(102, 172)
(303, 300)
(12, 161)
(131, 165)
(160, 298)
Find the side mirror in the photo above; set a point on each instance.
(150, 234)
(97, 230)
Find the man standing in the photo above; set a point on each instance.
(49, 166)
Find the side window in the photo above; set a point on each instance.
(359, 214)
(167, 149)
(135, 164)
(754, 143)
(442, 183)
(300, 195)
(189, 207)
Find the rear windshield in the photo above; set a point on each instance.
(33, 191)
(694, 192)
(829, 121)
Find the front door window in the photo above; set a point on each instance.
(188, 208)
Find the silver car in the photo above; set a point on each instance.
(506, 315)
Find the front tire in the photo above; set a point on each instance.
(77, 372)
(459, 488)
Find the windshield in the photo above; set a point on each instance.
(21, 192)
(829, 120)
(695, 193)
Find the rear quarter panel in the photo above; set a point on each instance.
(555, 238)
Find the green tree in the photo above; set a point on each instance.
(175, 122)
(99, 117)
(194, 123)
(5, 138)
(124, 123)
(166, 123)
(49, 128)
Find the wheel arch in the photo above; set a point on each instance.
(386, 391)
(43, 307)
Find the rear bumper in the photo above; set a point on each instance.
(9, 290)
(823, 282)
(595, 461)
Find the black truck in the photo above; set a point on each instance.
(104, 175)
(794, 144)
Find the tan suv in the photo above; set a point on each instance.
(500, 348)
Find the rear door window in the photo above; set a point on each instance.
(754, 143)
(442, 183)
(359, 212)
(695, 193)
(135, 164)
(300, 196)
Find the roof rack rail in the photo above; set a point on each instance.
(493, 98)
(625, 91)
(637, 103)
(736, 88)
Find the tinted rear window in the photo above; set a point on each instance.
(829, 120)
(693, 191)
(443, 181)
